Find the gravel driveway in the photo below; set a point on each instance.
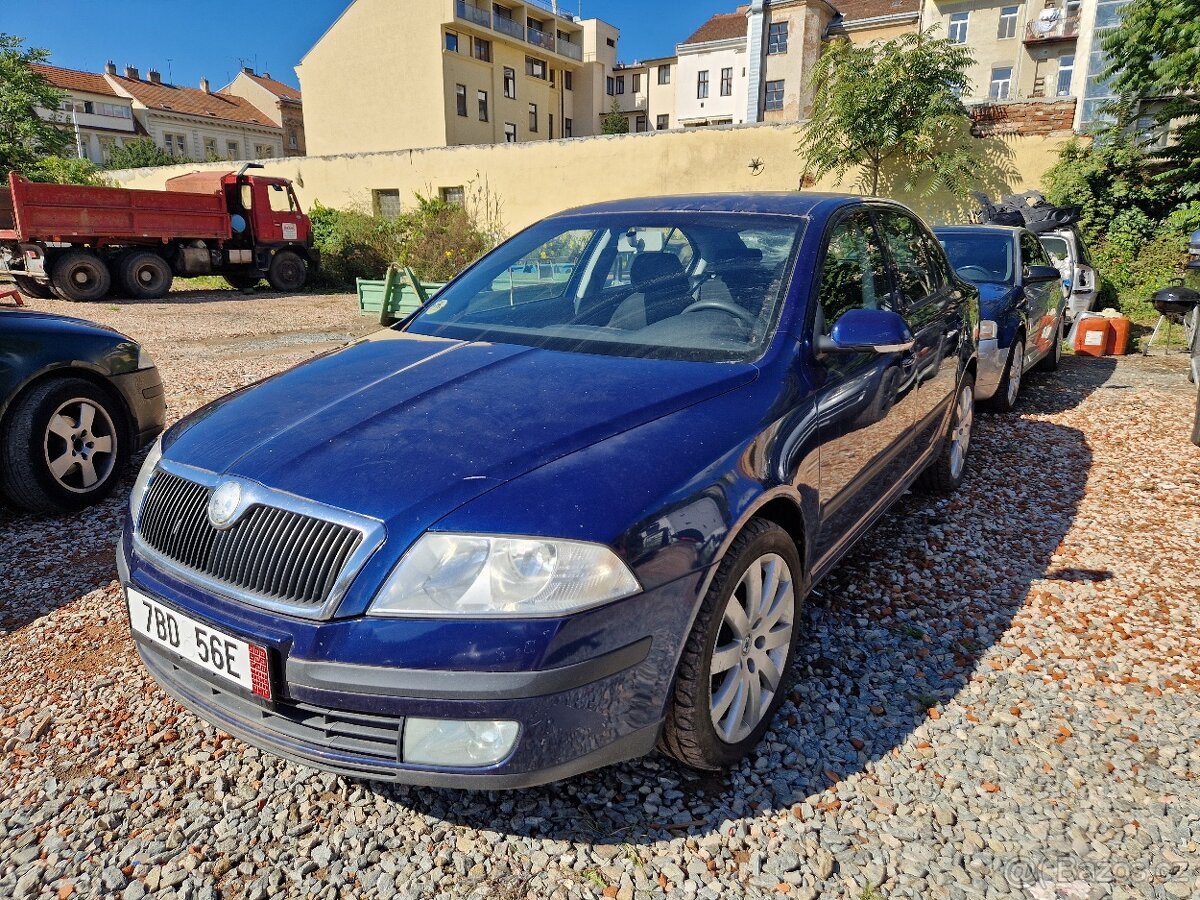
(997, 695)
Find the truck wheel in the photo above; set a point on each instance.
(288, 272)
(30, 287)
(65, 446)
(80, 275)
(145, 275)
(243, 281)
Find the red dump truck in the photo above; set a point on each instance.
(85, 243)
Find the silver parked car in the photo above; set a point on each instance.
(1070, 256)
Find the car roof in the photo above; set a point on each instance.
(786, 203)
(1010, 230)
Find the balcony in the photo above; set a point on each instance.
(1043, 31)
(541, 39)
(570, 50)
(472, 14)
(509, 27)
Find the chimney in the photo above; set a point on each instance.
(249, 70)
(266, 75)
(110, 68)
(204, 86)
(154, 76)
(132, 72)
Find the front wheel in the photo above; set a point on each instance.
(64, 448)
(735, 668)
(946, 472)
(287, 272)
(1005, 399)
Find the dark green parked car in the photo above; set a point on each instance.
(76, 401)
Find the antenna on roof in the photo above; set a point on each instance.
(170, 72)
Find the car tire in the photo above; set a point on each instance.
(946, 472)
(38, 290)
(145, 275)
(288, 272)
(241, 281)
(1009, 389)
(703, 728)
(1049, 362)
(65, 446)
(81, 276)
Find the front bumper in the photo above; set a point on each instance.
(146, 401)
(604, 704)
(992, 360)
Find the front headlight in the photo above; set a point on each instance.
(138, 494)
(144, 359)
(464, 575)
(988, 330)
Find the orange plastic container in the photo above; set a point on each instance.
(1094, 337)
(1119, 344)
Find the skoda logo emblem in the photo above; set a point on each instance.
(223, 504)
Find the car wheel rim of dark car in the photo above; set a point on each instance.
(1015, 369)
(960, 436)
(80, 445)
(751, 648)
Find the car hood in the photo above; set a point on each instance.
(28, 321)
(407, 428)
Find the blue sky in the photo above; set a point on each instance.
(187, 40)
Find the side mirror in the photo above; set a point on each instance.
(867, 331)
(1041, 274)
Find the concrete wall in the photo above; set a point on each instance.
(533, 180)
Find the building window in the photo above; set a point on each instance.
(533, 118)
(958, 28)
(263, 151)
(510, 83)
(460, 97)
(637, 84)
(662, 123)
(612, 86)
(510, 133)
(386, 203)
(550, 126)
(455, 196)
(568, 128)
(641, 124)
(774, 95)
(482, 49)
(232, 149)
(107, 145)
(1008, 22)
(210, 148)
(568, 80)
(727, 82)
(175, 144)
(620, 84)
(611, 42)
(535, 68)
(702, 85)
(1066, 72)
(777, 35)
(483, 106)
(293, 139)
(664, 74)
(1001, 83)
(451, 41)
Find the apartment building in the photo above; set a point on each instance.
(431, 73)
(281, 103)
(97, 115)
(752, 65)
(645, 92)
(871, 21)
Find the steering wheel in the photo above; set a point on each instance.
(723, 306)
(972, 273)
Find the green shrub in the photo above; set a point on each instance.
(67, 170)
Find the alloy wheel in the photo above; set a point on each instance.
(960, 433)
(80, 445)
(1015, 369)
(751, 648)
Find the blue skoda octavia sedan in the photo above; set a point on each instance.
(570, 510)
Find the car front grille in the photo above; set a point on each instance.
(271, 556)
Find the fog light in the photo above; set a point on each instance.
(461, 745)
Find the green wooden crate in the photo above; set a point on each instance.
(404, 294)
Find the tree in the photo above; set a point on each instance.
(67, 170)
(616, 122)
(142, 153)
(25, 137)
(894, 104)
(1154, 55)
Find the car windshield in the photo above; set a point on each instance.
(985, 258)
(688, 286)
(1057, 248)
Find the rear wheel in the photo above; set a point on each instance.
(80, 275)
(243, 281)
(288, 272)
(1005, 398)
(145, 275)
(1049, 362)
(946, 472)
(736, 666)
(64, 448)
(30, 287)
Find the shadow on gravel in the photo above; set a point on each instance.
(1077, 377)
(897, 629)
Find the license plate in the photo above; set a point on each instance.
(211, 649)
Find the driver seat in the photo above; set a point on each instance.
(661, 290)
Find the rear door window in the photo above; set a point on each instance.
(912, 255)
(854, 274)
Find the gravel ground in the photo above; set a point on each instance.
(997, 696)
